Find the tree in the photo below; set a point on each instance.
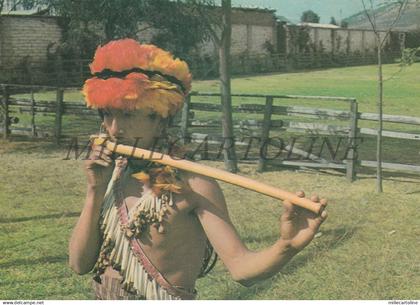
(344, 24)
(381, 40)
(225, 88)
(333, 21)
(174, 19)
(219, 25)
(19, 4)
(309, 16)
(87, 23)
(410, 56)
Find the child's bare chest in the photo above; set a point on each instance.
(168, 214)
(159, 218)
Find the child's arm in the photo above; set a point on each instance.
(298, 228)
(85, 240)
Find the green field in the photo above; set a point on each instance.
(367, 249)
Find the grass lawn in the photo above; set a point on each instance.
(367, 249)
(358, 82)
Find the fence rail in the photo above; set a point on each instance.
(268, 117)
(267, 124)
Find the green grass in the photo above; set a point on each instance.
(368, 248)
(357, 82)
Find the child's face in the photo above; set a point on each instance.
(133, 127)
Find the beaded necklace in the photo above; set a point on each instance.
(162, 181)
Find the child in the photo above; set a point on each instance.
(148, 230)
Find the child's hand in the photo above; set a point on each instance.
(298, 225)
(99, 166)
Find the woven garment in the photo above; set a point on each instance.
(111, 289)
(140, 278)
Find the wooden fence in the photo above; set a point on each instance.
(348, 126)
(262, 116)
(265, 125)
(12, 108)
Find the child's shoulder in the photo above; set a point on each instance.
(204, 191)
(200, 183)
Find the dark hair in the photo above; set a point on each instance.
(168, 121)
(101, 114)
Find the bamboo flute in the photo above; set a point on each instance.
(208, 171)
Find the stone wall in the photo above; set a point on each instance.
(26, 36)
(251, 29)
(246, 39)
(340, 40)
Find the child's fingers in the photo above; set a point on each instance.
(300, 194)
(102, 162)
(102, 150)
(99, 156)
(319, 219)
(105, 151)
(288, 211)
(100, 147)
(105, 158)
(101, 153)
(92, 164)
(315, 198)
(324, 216)
(324, 204)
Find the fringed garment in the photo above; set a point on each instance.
(122, 251)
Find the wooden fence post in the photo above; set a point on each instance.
(265, 131)
(185, 120)
(33, 128)
(81, 71)
(5, 107)
(58, 114)
(351, 150)
(61, 78)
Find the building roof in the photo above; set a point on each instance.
(19, 12)
(283, 19)
(319, 25)
(253, 8)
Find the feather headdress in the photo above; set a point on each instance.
(129, 75)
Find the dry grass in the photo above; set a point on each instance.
(368, 247)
